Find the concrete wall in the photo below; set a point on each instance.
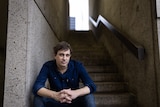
(29, 44)
(136, 19)
(56, 12)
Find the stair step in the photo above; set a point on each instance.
(111, 86)
(115, 99)
(111, 90)
(81, 37)
(101, 69)
(91, 54)
(94, 62)
(108, 77)
(87, 47)
(116, 105)
(92, 59)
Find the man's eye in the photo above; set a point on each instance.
(68, 55)
(61, 54)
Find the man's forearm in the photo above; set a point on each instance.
(58, 96)
(83, 91)
(73, 94)
(46, 93)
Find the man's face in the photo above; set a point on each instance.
(62, 58)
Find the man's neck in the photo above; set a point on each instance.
(62, 70)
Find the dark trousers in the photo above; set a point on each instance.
(84, 101)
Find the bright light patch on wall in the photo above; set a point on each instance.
(80, 10)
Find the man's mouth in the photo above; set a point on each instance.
(63, 62)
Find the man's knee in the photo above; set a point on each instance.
(46, 102)
(38, 101)
(87, 101)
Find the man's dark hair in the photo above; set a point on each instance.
(62, 46)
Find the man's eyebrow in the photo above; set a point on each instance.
(64, 54)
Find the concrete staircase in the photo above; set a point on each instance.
(111, 89)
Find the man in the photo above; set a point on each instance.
(64, 76)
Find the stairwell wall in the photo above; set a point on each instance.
(57, 14)
(135, 18)
(30, 40)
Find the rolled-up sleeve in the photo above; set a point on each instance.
(86, 79)
(41, 79)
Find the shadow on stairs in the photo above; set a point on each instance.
(111, 89)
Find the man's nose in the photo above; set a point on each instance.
(64, 56)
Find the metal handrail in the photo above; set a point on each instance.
(135, 48)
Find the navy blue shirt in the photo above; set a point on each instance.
(75, 74)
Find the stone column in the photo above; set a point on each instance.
(29, 44)
(16, 56)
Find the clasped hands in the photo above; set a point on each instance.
(66, 96)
